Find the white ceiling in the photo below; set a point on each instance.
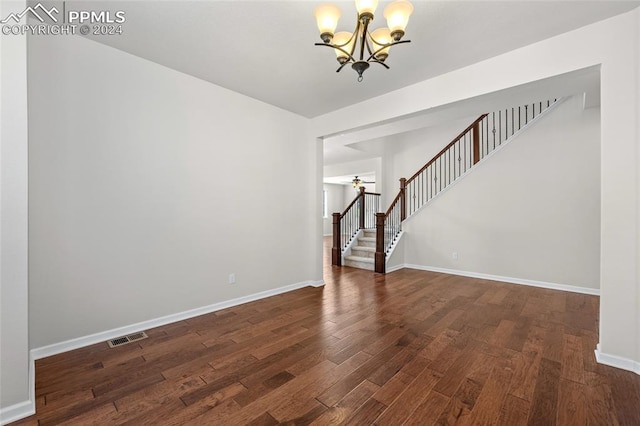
(264, 49)
(370, 142)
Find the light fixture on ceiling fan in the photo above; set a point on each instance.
(362, 47)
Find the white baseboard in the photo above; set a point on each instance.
(26, 408)
(394, 268)
(17, 412)
(511, 280)
(617, 361)
(103, 336)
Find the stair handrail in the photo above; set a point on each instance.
(389, 224)
(393, 203)
(446, 148)
(354, 218)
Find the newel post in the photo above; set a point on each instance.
(336, 250)
(476, 142)
(380, 263)
(403, 199)
(361, 201)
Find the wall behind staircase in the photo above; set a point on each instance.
(531, 212)
(406, 153)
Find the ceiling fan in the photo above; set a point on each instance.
(357, 182)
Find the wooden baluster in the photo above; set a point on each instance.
(403, 199)
(361, 201)
(476, 142)
(380, 264)
(336, 250)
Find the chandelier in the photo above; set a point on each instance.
(362, 47)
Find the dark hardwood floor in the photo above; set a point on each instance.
(411, 347)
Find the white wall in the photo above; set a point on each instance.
(148, 187)
(638, 188)
(14, 345)
(530, 212)
(620, 229)
(348, 194)
(335, 204)
(313, 239)
(614, 45)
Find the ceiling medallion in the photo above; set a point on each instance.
(362, 47)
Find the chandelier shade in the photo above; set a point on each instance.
(327, 16)
(345, 41)
(366, 7)
(382, 39)
(397, 16)
(362, 47)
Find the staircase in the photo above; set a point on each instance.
(363, 251)
(364, 238)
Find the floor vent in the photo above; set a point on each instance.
(119, 341)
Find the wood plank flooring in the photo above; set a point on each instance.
(411, 347)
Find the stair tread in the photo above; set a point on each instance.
(360, 259)
(373, 239)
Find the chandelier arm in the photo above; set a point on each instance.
(343, 44)
(381, 63)
(354, 35)
(384, 46)
(366, 37)
(342, 66)
(351, 58)
(353, 46)
(366, 41)
(363, 39)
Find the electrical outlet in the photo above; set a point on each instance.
(454, 255)
(232, 278)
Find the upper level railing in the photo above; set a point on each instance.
(360, 214)
(479, 139)
(445, 167)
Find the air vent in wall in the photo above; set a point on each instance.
(119, 341)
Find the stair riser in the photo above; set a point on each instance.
(369, 234)
(366, 243)
(360, 265)
(362, 253)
